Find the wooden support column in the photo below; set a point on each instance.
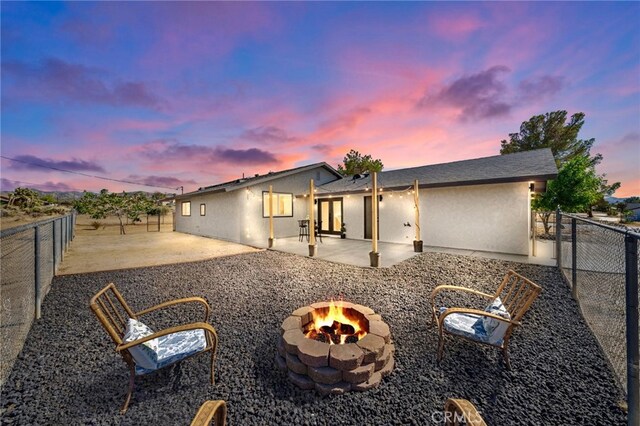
(270, 216)
(312, 230)
(417, 243)
(374, 256)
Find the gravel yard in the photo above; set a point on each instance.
(68, 372)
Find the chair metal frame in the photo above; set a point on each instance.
(104, 306)
(517, 294)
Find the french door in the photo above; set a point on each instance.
(330, 215)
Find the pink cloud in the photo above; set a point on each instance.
(478, 96)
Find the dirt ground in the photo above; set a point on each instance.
(104, 249)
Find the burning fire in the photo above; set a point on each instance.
(336, 325)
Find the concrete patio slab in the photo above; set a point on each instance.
(356, 252)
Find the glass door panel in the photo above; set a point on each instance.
(324, 216)
(337, 215)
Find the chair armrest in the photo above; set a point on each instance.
(474, 312)
(442, 288)
(195, 299)
(209, 330)
(211, 410)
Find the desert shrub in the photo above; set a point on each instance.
(96, 224)
(7, 213)
(55, 210)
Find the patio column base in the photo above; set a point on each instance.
(312, 250)
(271, 242)
(375, 258)
(417, 246)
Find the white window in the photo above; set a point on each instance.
(186, 208)
(203, 209)
(282, 204)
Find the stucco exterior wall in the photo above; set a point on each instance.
(479, 217)
(222, 219)
(394, 211)
(237, 215)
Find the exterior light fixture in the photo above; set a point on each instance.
(380, 198)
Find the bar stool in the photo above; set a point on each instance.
(317, 229)
(303, 230)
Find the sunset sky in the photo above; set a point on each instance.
(191, 94)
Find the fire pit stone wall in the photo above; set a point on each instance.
(335, 368)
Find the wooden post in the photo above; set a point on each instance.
(417, 244)
(270, 216)
(374, 256)
(533, 233)
(312, 230)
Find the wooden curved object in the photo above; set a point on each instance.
(461, 411)
(215, 411)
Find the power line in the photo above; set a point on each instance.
(86, 174)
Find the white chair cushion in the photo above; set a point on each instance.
(465, 325)
(145, 354)
(494, 328)
(175, 347)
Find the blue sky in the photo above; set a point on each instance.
(194, 93)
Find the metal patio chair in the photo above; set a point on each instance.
(492, 326)
(143, 350)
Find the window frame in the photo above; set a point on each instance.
(203, 209)
(265, 198)
(182, 206)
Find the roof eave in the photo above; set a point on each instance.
(535, 178)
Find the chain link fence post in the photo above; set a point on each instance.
(36, 263)
(559, 239)
(631, 266)
(574, 259)
(53, 242)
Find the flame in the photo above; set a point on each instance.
(336, 313)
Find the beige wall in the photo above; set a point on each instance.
(478, 217)
(237, 215)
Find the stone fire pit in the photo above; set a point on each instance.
(313, 361)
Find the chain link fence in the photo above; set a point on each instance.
(600, 263)
(29, 256)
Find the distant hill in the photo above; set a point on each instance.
(66, 196)
(60, 196)
(613, 200)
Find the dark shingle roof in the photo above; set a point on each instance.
(253, 180)
(538, 165)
